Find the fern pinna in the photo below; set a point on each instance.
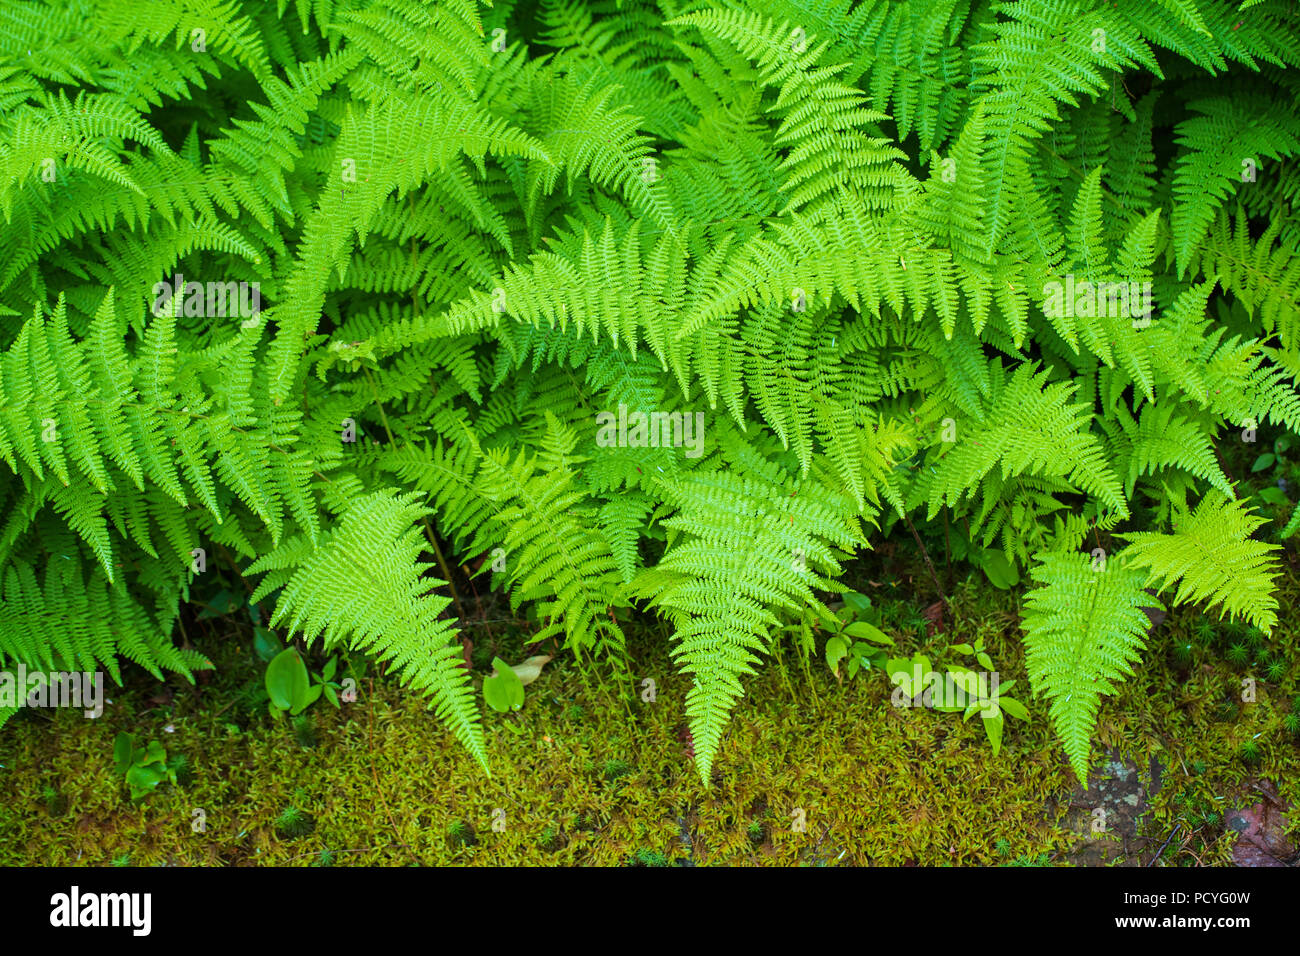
(1026, 266)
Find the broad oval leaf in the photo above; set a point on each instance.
(503, 691)
(286, 680)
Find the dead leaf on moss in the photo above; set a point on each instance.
(531, 669)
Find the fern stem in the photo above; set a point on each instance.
(446, 573)
(947, 548)
(926, 555)
(779, 657)
(478, 602)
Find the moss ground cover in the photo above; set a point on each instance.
(813, 771)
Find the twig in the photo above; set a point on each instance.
(1176, 828)
(926, 554)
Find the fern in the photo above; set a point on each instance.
(828, 227)
(1211, 557)
(748, 548)
(1084, 632)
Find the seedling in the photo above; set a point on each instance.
(144, 767)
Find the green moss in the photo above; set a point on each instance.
(648, 858)
(591, 780)
(461, 833)
(293, 823)
(613, 769)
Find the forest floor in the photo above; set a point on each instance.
(812, 770)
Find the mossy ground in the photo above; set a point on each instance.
(584, 776)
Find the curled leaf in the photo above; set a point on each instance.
(531, 669)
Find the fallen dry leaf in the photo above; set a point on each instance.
(531, 669)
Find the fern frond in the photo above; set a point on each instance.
(364, 584)
(1084, 630)
(1211, 557)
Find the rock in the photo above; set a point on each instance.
(1261, 839)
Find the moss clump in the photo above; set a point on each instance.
(460, 833)
(293, 824)
(304, 731)
(550, 841)
(648, 858)
(56, 803)
(613, 769)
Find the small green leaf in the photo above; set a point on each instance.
(905, 671)
(265, 644)
(331, 696)
(1000, 572)
(142, 779)
(286, 680)
(154, 754)
(858, 602)
(986, 662)
(1263, 461)
(836, 649)
(331, 666)
(503, 691)
(123, 747)
(312, 695)
(993, 727)
(868, 632)
(967, 680)
(1013, 707)
(1272, 495)
(963, 649)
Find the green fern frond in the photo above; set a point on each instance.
(364, 586)
(1211, 557)
(746, 549)
(1084, 630)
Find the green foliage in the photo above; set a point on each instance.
(291, 689)
(957, 689)
(503, 691)
(1211, 556)
(1084, 629)
(811, 258)
(853, 631)
(144, 767)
